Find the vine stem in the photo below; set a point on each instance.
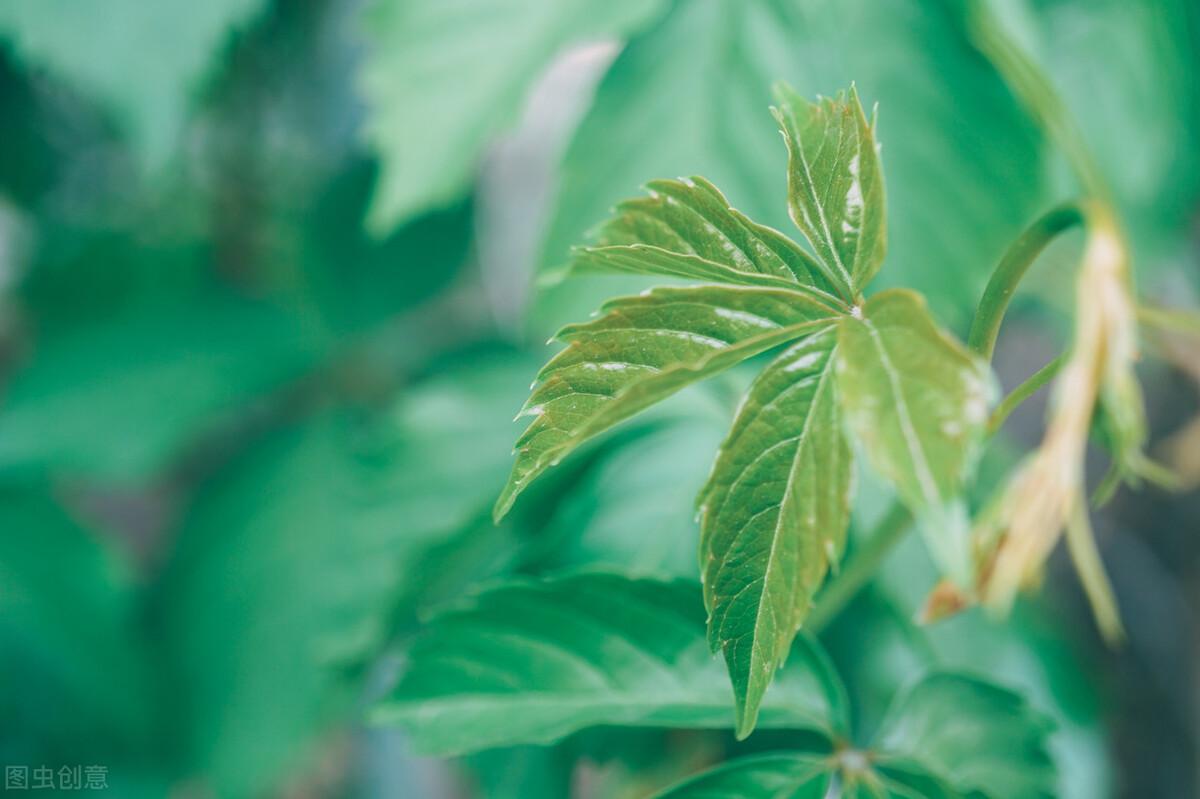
(1012, 268)
(985, 328)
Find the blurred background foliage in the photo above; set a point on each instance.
(275, 275)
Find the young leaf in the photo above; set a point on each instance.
(531, 662)
(641, 350)
(773, 515)
(984, 739)
(918, 401)
(686, 228)
(835, 185)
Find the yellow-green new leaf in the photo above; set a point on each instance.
(686, 228)
(773, 515)
(641, 350)
(918, 401)
(835, 185)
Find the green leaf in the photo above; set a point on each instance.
(640, 351)
(797, 775)
(441, 78)
(532, 662)
(119, 398)
(964, 163)
(686, 228)
(140, 60)
(918, 401)
(835, 185)
(75, 676)
(774, 514)
(289, 565)
(984, 739)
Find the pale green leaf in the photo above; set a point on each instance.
(441, 78)
(918, 402)
(640, 351)
(142, 61)
(774, 514)
(532, 662)
(984, 739)
(835, 185)
(686, 228)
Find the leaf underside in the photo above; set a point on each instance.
(531, 662)
(918, 402)
(773, 515)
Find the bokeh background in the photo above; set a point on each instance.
(275, 276)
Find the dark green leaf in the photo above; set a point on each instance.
(835, 185)
(918, 401)
(75, 678)
(531, 662)
(642, 350)
(688, 229)
(443, 77)
(774, 514)
(984, 739)
(118, 399)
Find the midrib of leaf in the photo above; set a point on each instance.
(829, 242)
(911, 439)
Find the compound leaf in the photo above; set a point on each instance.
(641, 350)
(984, 739)
(835, 185)
(918, 401)
(686, 228)
(773, 515)
(531, 662)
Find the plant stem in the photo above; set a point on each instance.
(1012, 267)
(1023, 392)
(861, 568)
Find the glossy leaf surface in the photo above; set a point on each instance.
(531, 662)
(835, 185)
(774, 514)
(918, 402)
(686, 228)
(641, 350)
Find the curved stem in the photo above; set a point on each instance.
(862, 567)
(1023, 392)
(1011, 269)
